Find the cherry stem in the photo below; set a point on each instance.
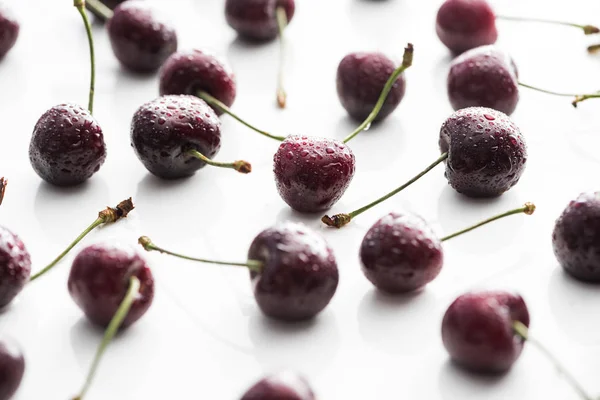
(108, 215)
(241, 166)
(99, 10)
(148, 245)
(406, 63)
(80, 5)
(340, 220)
(578, 97)
(282, 22)
(111, 330)
(593, 48)
(522, 331)
(223, 108)
(527, 209)
(3, 184)
(587, 29)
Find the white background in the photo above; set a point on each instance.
(204, 337)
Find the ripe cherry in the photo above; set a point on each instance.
(15, 266)
(9, 30)
(280, 386)
(12, 367)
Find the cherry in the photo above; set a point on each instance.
(188, 72)
(9, 30)
(361, 78)
(401, 253)
(576, 237)
(280, 386)
(67, 146)
(485, 156)
(12, 367)
(292, 268)
(465, 24)
(257, 19)
(15, 266)
(174, 136)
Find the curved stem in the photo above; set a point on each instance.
(223, 108)
(111, 330)
(587, 29)
(108, 215)
(240, 166)
(522, 331)
(578, 97)
(406, 63)
(80, 5)
(148, 245)
(339, 220)
(98, 8)
(527, 209)
(583, 97)
(282, 22)
(3, 184)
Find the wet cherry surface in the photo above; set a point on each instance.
(15, 266)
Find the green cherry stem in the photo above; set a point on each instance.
(282, 22)
(527, 209)
(340, 220)
(241, 166)
(406, 63)
(522, 331)
(587, 29)
(223, 108)
(3, 184)
(148, 245)
(80, 5)
(99, 10)
(578, 97)
(111, 330)
(108, 215)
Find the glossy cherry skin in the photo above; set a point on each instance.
(99, 280)
(15, 266)
(486, 152)
(9, 31)
(187, 72)
(257, 19)
(12, 367)
(477, 330)
(401, 253)
(299, 275)
(576, 238)
(465, 24)
(360, 80)
(67, 146)
(312, 173)
(484, 77)
(163, 130)
(140, 40)
(281, 386)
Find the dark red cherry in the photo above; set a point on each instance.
(163, 130)
(299, 274)
(140, 39)
(477, 330)
(9, 30)
(256, 19)
(576, 237)
(12, 367)
(401, 253)
(281, 386)
(67, 146)
(312, 173)
(465, 24)
(360, 81)
(99, 280)
(188, 72)
(486, 152)
(15, 266)
(484, 77)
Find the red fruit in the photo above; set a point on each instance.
(9, 30)
(15, 266)
(281, 386)
(256, 19)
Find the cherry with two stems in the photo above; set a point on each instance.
(67, 146)
(114, 288)
(487, 77)
(285, 385)
(12, 367)
(140, 39)
(293, 270)
(465, 24)
(400, 253)
(485, 332)
(485, 155)
(9, 30)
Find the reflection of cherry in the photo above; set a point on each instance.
(281, 386)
